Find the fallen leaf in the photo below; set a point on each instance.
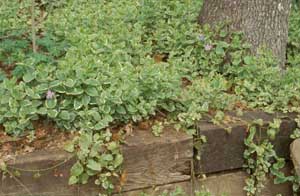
(28, 149)
(158, 58)
(128, 129)
(123, 178)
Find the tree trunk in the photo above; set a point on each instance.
(264, 22)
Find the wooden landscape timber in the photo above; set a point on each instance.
(148, 161)
(224, 151)
(228, 184)
(153, 163)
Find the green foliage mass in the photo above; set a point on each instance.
(101, 63)
(15, 36)
(293, 52)
(262, 160)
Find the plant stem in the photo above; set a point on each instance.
(33, 36)
(19, 182)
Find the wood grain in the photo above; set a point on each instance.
(230, 184)
(224, 151)
(148, 161)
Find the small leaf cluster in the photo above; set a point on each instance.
(261, 85)
(16, 35)
(157, 128)
(293, 49)
(296, 133)
(207, 94)
(261, 158)
(98, 157)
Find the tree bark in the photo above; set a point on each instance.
(264, 22)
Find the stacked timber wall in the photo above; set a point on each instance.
(153, 164)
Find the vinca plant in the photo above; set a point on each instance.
(100, 63)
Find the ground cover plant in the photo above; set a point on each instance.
(293, 45)
(89, 66)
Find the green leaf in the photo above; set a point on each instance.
(96, 148)
(118, 160)
(70, 83)
(69, 147)
(51, 103)
(248, 60)
(85, 141)
(220, 51)
(28, 110)
(98, 182)
(132, 109)
(77, 104)
(84, 178)
(28, 77)
(92, 91)
(259, 122)
(74, 91)
(91, 81)
(191, 131)
(66, 103)
(107, 157)
(32, 94)
(93, 165)
(60, 89)
(106, 109)
(280, 163)
(112, 146)
(121, 110)
(223, 33)
(271, 133)
(280, 180)
(236, 61)
(42, 111)
(86, 100)
(91, 172)
(52, 113)
(41, 87)
(96, 116)
(73, 180)
(54, 83)
(65, 115)
(77, 169)
(100, 125)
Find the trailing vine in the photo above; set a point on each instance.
(262, 160)
(259, 156)
(98, 156)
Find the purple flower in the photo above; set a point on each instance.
(201, 37)
(208, 47)
(50, 94)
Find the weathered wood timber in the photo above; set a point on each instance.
(230, 184)
(152, 161)
(149, 161)
(224, 151)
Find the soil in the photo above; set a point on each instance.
(7, 69)
(45, 136)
